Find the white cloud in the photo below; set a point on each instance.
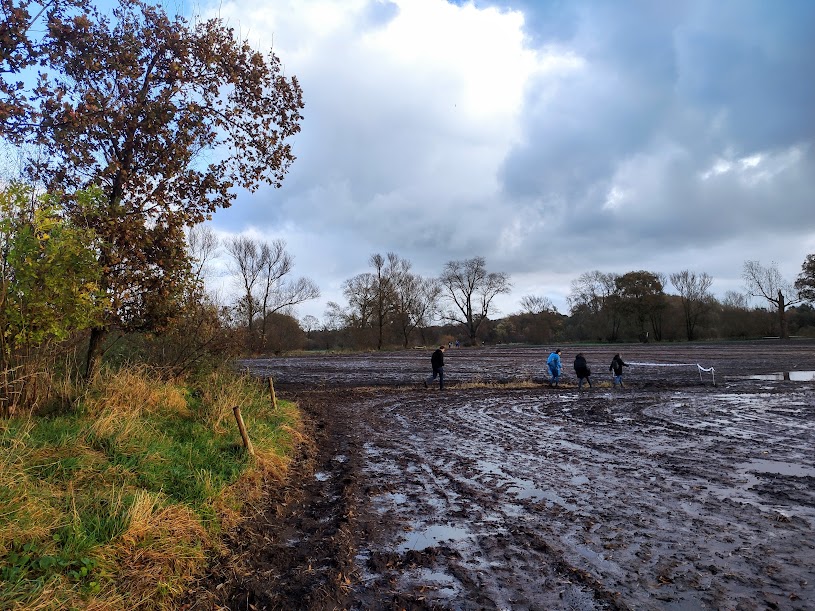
(758, 167)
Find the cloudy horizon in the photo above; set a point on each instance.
(551, 138)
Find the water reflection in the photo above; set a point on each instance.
(760, 465)
(432, 535)
(792, 376)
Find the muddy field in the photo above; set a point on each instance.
(502, 493)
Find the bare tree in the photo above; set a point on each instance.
(262, 271)
(277, 292)
(360, 291)
(471, 290)
(247, 266)
(385, 272)
(391, 298)
(767, 283)
(533, 304)
(335, 317)
(695, 295)
(202, 247)
(735, 300)
(415, 300)
(309, 324)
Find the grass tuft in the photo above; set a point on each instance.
(24, 515)
(132, 392)
(223, 392)
(160, 553)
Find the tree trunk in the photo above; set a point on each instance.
(94, 352)
(782, 316)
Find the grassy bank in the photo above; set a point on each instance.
(119, 501)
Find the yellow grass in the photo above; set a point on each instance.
(118, 400)
(24, 517)
(160, 553)
(268, 470)
(223, 393)
(133, 392)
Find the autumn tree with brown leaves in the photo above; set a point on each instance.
(168, 118)
(642, 296)
(19, 51)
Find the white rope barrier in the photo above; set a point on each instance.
(701, 369)
(709, 370)
(664, 364)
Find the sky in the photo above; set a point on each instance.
(552, 138)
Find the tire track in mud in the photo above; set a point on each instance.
(628, 494)
(472, 546)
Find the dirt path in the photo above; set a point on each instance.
(669, 494)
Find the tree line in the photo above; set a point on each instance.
(392, 306)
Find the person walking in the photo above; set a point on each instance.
(616, 368)
(437, 362)
(581, 370)
(553, 362)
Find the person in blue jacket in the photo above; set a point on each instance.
(553, 362)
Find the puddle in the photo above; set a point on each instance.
(397, 498)
(750, 472)
(387, 501)
(776, 467)
(430, 536)
(597, 559)
(792, 376)
(322, 476)
(445, 585)
(524, 489)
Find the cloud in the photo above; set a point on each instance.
(551, 138)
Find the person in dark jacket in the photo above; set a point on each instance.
(437, 362)
(582, 371)
(616, 368)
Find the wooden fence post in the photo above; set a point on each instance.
(242, 428)
(271, 391)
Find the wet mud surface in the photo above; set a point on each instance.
(503, 493)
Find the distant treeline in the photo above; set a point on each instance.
(723, 321)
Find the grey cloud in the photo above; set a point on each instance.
(753, 65)
(705, 79)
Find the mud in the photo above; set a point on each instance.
(503, 493)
